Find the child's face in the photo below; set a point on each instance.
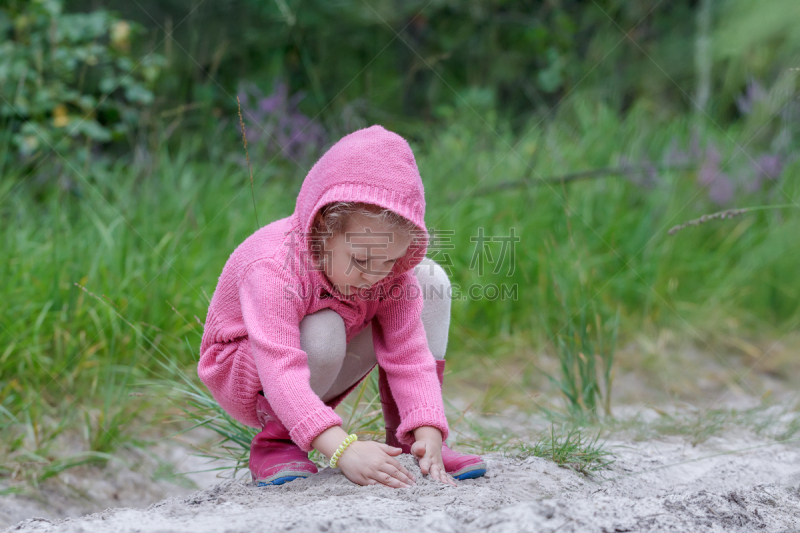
(363, 255)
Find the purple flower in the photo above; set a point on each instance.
(769, 166)
(277, 126)
(754, 94)
(721, 190)
(709, 170)
(720, 186)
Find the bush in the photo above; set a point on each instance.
(70, 81)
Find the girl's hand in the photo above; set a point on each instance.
(367, 462)
(428, 451)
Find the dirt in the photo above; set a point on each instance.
(137, 479)
(735, 481)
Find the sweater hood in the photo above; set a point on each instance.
(375, 166)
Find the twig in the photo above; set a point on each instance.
(247, 156)
(575, 176)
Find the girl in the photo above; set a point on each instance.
(308, 305)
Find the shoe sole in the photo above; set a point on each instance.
(283, 477)
(470, 472)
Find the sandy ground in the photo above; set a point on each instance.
(138, 479)
(732, 482)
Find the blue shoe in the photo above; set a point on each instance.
(470, 472)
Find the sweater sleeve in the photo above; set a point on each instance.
(272, 309)
(401, 348)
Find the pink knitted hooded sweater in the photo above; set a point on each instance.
(268, 285)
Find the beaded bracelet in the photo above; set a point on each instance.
(342, 447)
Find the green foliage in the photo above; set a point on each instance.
(407, 59)
(570, 447)
(758, 39)
(69, 80)
(585, 350)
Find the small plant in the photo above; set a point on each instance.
(570, 448)
(586, 357)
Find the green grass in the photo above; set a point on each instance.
(570, 447)
(149, 241)
(586, 355)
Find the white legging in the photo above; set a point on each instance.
(336, 364)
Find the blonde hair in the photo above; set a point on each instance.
(334, 219)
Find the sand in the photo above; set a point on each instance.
(732, 482)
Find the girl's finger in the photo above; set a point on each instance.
(397, 484)
(441, 473)
(397, 474)
(401, 468)
(390, 481)
(424, 466)
(391, 449)
(435, 472)
(450, 480)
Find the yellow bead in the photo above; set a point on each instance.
(342, 447)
